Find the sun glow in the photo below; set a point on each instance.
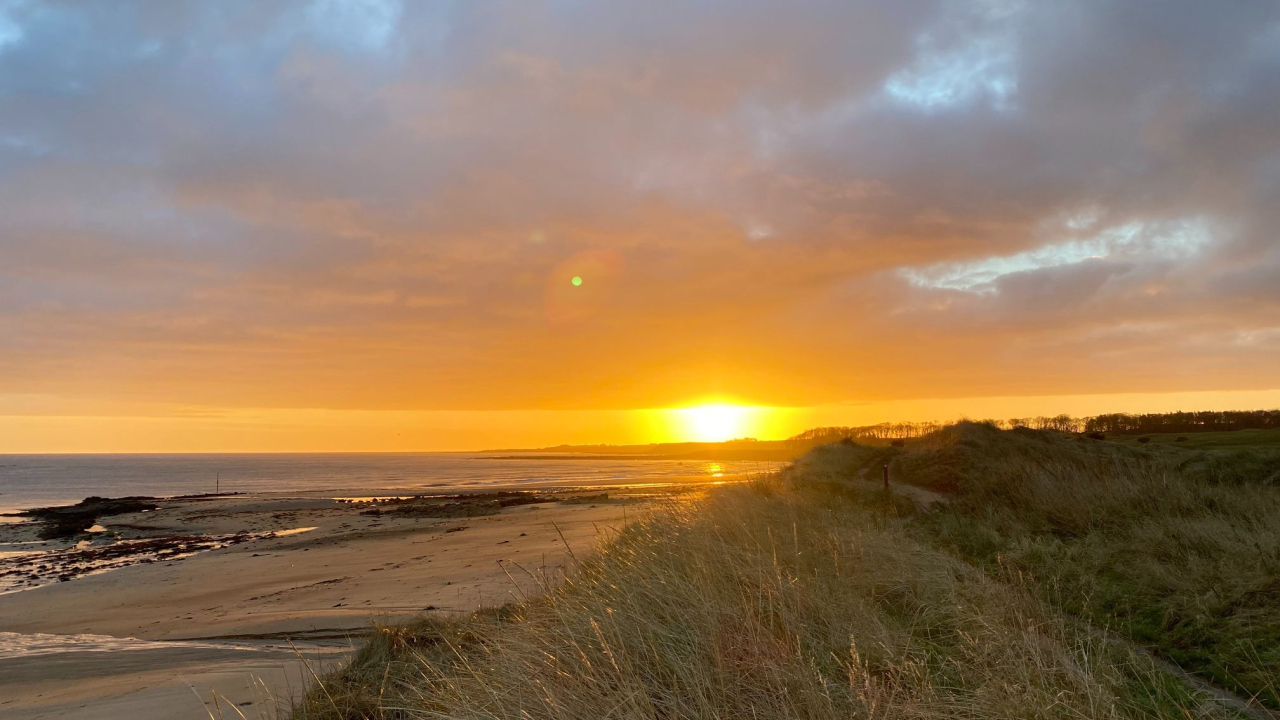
(715, 423)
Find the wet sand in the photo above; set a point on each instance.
(250, 621)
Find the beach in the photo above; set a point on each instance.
(239, 600)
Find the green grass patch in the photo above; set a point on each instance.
(1177, 549)
(1259, 438)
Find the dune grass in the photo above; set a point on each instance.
(781, 599)
(1177, 549)
(1257, 437)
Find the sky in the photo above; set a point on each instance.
(356, 224)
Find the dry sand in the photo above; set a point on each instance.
(251, 621)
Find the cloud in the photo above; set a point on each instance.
(1135, 240)
(369, 204)
(357, 24)
(970, 52)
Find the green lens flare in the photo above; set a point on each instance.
(576, 281)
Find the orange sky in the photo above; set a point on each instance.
(292, 430)
(330, 224)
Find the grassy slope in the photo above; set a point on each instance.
(782, 599)
(1178, 549)
(1269, 438)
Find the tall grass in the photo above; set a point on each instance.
(764, 601)
(1180, 550)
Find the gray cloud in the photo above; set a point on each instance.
(794, 203)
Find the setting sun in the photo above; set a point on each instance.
(714, 423)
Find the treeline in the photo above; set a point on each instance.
(866, 433)
(1183, 422)
(1113, 424)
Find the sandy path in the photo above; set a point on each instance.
(924, 498)
(320, 587)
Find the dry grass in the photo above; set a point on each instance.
(1178, 549)
(759, 601)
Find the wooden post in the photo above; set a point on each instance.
(886, 476)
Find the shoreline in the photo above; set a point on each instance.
(309, 568)
(16, 514)
(62, 481)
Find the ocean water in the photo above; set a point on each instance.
(28, 481)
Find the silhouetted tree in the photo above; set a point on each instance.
(1097, 427)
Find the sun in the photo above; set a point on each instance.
(714, 423)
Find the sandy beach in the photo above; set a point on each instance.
(237, 600)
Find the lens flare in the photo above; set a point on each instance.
(570, 299)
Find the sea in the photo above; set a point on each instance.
(28, 481)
